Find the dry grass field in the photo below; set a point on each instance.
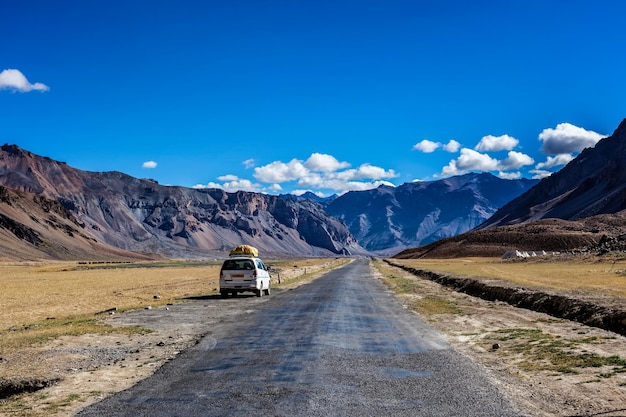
(45, 301)
(592, 277)
(548, 367)
(30, 294)
(58, 329)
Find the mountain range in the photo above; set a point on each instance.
(139, 215)
(49, 210)
(582, 207)
(388, 219)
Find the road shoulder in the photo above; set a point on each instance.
(517, 347)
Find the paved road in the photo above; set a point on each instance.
(339, 346)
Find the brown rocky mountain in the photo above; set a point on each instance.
(596, 234)
(142, 216)
(593, 183)
(33, 227)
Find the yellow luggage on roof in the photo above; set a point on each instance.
(245, 250)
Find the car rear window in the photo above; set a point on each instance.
(237, 264)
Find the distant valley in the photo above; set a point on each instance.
(387, 219)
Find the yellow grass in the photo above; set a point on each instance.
(42, 302)
(606, 278)
(31, 293)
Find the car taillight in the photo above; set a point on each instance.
(254, 273)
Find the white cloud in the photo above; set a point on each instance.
(339, 184)
(453, 146)
(540, 173)
(374, 172)
(211, 184)
(496, 143)
(361, 186)
(554, 161)
(324, 163)
(248, 163)
(470, 160)
(313, 180)
(241, 185)
(515, 160)
(12, 79)
(342, 186)
(278, 171)
(366, 171)
(510, 175)
(319, 172)
(567, 138)
(450, 170)
(231, 184)
(149, 165)
(426, 146)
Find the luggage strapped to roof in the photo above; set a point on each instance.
(245, 250)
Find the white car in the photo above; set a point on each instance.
(244, 273)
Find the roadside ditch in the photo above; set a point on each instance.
(556, 305)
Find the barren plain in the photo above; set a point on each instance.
(546, 366)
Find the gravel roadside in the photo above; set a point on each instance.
(546, 366)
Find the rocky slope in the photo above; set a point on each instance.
(593, 183)
(141, 215)
(33, 227)
(595, 235)
(387, 219)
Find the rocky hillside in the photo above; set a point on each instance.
(387, 219)
(594, 235)
(593, 183)
(33, 227)
(141, 215)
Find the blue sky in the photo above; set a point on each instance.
(327, 96)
